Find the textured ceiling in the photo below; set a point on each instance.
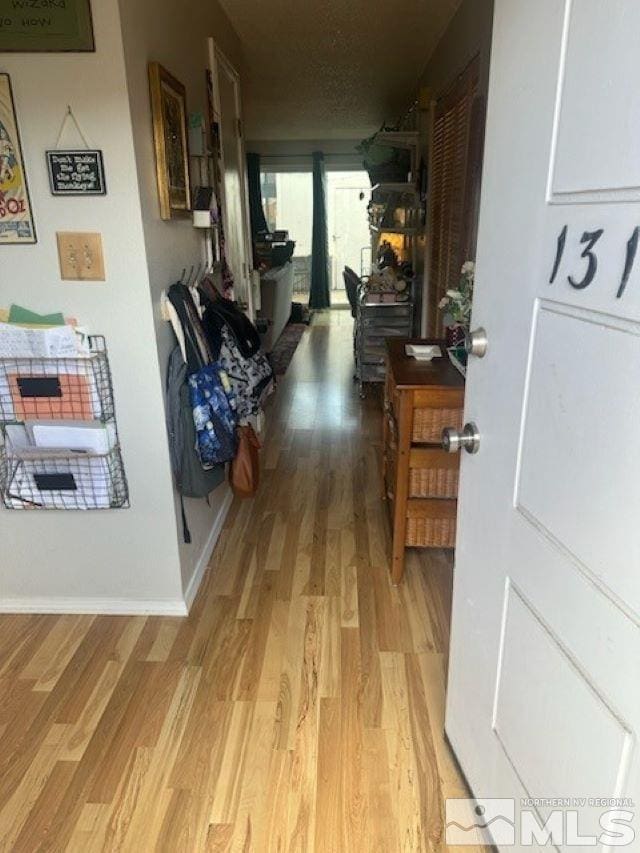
(332, 69)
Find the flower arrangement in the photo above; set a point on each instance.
(457, 303)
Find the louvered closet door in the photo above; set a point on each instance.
(452, 196)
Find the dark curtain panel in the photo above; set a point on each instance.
(319, 294)
(256, 211)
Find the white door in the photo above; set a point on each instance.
(233, 189)
(348, 221)
(544, 675)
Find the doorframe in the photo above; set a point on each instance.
(218, 58)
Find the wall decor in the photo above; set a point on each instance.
(169, 112)
(78, 172)
(32, 26)
(16, 220)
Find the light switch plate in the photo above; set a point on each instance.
(81, 257)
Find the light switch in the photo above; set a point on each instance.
(81, 257)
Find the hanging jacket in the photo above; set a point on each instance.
(221, 312)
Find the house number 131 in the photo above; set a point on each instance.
(589, 240)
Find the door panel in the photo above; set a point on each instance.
(568, 500)
(545, 746)
(544, 677)
(596, 115)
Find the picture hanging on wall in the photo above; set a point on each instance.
(16, 220)
(55, 26)
(169, 111)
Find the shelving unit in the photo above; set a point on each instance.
(382, 229)
(391, 186)
(377, 322)
(395, 195)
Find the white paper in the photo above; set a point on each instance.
(91, 436)
(17, 436)
(57, 342)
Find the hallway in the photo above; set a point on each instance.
(299, 707)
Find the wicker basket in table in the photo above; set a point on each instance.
(429, 423)
(431, 533)
(433, 482)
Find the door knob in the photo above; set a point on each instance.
(454, 440)
(476, 342)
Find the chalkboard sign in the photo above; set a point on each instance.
(46, 25)
(76, 172)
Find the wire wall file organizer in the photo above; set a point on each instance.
(43, 398)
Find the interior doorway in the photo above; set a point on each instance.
(227, 107)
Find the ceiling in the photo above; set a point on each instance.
(332, 69)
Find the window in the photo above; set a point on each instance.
(456, 163)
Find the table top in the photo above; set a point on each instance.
(408, 372)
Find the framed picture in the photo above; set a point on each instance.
(16, 220)
(169, 111)
(76, 172)
(32, 27)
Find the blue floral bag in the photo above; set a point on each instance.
(214, 415)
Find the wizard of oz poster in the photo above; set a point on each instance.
(16, 221)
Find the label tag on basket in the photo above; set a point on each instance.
(55, 482)
(38, 386)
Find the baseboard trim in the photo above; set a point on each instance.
(203, 562)
(127, 606)
(94, 606)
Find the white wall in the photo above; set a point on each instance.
(101, 560)
(166, 32)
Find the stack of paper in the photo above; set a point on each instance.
(68, 436)
(52, 342)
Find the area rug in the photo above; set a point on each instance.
(286, 345)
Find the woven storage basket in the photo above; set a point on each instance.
(429, 423)
(433, 482)
(431, 533)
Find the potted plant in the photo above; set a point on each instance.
(456, 305)
(384, 163)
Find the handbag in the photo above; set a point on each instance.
(244, 474)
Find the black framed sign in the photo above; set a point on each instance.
(78, 172)
(31, 26)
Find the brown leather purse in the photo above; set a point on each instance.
(244, 473)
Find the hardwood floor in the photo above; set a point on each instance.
(298, 708)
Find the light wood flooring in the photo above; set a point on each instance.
(298, 708)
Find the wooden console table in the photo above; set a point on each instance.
(420, 480)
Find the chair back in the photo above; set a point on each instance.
(351, 285)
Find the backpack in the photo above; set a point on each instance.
(212, 400)
(192, 480)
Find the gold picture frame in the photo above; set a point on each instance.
(169, 112)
